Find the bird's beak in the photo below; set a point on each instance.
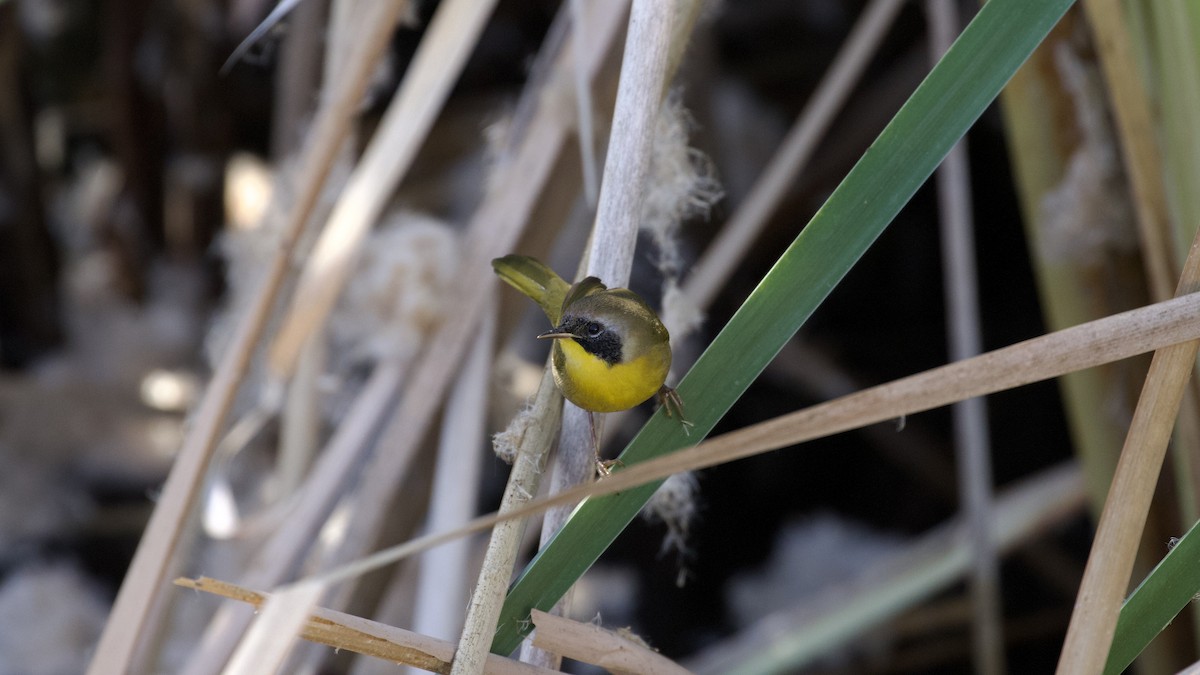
(555, 333)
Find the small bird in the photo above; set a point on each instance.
(611, 351)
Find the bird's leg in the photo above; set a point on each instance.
(669, 398)
(603, 466)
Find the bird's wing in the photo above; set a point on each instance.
(584, 288)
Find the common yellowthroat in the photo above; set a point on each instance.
(611, 351)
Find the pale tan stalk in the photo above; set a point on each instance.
(1106, 577)
(583, 105)
(270, 640)
(488, 597)
(639, 95)
(1105, 582)
(300, 419)
(147, 573)
(448, 41)
(298, 76)
(1138, 129)
(444, 579)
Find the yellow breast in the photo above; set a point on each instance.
(593, 384)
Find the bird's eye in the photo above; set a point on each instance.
(594, 329)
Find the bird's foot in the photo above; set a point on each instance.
(669, 399)
(604, 467)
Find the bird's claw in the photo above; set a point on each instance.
(670, 400)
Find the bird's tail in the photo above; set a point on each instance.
(533, 278)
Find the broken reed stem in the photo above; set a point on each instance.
(363, 636)
(271, 637)
(971, 443)
(532, 449)
(127, 622)
(589, 643)
(1106, 577)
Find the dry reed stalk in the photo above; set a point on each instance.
(643, 82)
(1136, 127)
(1073, 190)
(1106, 577)
(970, 418)
(308, 511)
(1035, 360)
(722, 257)
(300, 419)
(929, 564)
(147, 573)
(583, 104)
(448, 41)
(445, 574)
(639, 95)
(589, 643)
(532, 448)
(344, 631)
(1135, 121)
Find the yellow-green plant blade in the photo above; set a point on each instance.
(1154, 604)
(951, 98)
